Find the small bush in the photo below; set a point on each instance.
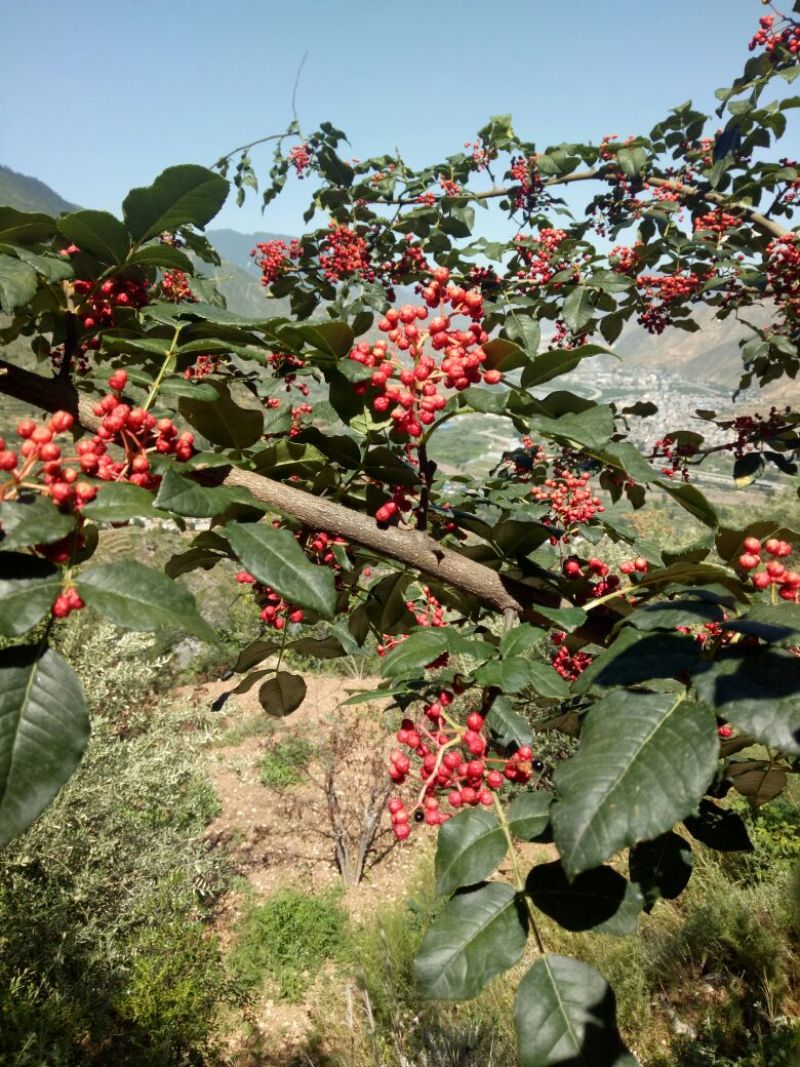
(287, 940)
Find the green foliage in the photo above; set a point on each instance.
(287, 940)
(284, 764)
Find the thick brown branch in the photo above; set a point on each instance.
(411, 547)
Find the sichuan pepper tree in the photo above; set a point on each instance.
(307, 441)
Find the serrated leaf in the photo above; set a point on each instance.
(412, 655)
(758, 780)
(224, 422)
(98, 233)
(508, 725)
(119, 502)
(185, 497)
(18, 284)
(578, 308)
(140, 598)
(758, 691)
(529, 815)
(692, 500)
(632, 744)
(519, 639)
(469, 848)
(565, 1015)
(282, 694)
(44, 728)
(255, 653)
(480, 933)
(186, 194)
(748, 469)
(28, 587)
(33, 522)
(275, 559)
(25, 227)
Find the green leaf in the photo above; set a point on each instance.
(28, 587)
(255, 653)
(332, 338)
(469, 848)
(636, 657)
(504, 355)
(508, 725)
(282, 694)
(224, 422)
(556, 362)
(25, 227)
(778, 625)
(119, 502)
(275, 558)
(98, 233)
(591, 428)
(44, 728)
(33, 522)
(480, 933)
(158, 255)
(334, 168)
(632, 745)
(529, 815)
(519, 639)
(18, 284)
(690, 498)
(669, 614)
(565, 1015)
(511, 674)
(186, 194)
(578, 309)
(661, 867)
(522, 327)
(411, 656)
(632, 160)
(599, 899)
(546, 682)
(718, 828)
(139, 598)
(568, 619)
(758, 691)
(185, 497)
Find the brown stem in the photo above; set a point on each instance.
(411, 547)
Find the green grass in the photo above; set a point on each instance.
(285, 763)
(287, 940)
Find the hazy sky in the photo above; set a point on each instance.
(98, 96)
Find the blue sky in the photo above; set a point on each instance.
(98, 97)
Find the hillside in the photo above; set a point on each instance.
(29, 194)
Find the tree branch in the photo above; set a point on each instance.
(411, 547)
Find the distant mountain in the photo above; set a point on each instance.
(29, 194)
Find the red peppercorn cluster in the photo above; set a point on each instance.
(677, 456)
(783, 272)
(137, 433)
(568, 498)
(718, 222)
(772, 572)
(453, 760)
(427, 611)
(595, 572)
(40, 464)
(660, 292)
(449, 187)
(67, 602)
(624, 259)
(344, 253)
(482, 154)
(300, 158)
(274, 258)
(570, 665)
(772, 40)
(101, 299)
(529, 183)
(176, 289)
(394, 508)
(201, 368)
(752, 430)
(542, 258)
(411, 394)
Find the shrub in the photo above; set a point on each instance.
(285, 763)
